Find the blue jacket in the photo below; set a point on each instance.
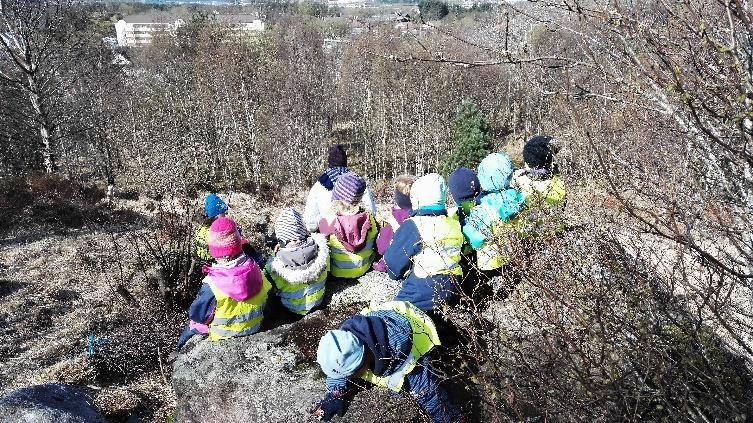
(393, 341)
(480, 223)
(428, 293)
(203, 305)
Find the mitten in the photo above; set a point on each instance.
(333, 403)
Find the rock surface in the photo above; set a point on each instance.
(271, 377)
(373, 286)
(48, 403)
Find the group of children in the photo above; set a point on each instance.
(423, 244)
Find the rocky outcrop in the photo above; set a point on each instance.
(49, 403)
(270, 377)
(373, 286)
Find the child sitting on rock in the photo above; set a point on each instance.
(399, 213)
(464, 187)
(536, 180)
(388, 345)
(300, 265)
(428, 247)
(497, 205)
(543, 190)
(351, 230)
(232, 298)
(214, 207)
(319, 199)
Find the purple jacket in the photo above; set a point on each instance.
(352, 231)
(384, 239)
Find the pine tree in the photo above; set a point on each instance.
(432, 10)
(471, 142)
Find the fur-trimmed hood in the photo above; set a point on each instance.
(309, 273)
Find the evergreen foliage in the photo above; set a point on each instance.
(432, 10)
(471, 142)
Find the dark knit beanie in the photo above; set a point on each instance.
(336, 156)
(463, 184)
(537, 152)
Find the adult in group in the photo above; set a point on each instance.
(320, 196)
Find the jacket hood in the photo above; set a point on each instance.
(401, 215)
(507, 203)
(429, 191)
(495, 172)
(310, 271)
(350, 230)
(240, 279)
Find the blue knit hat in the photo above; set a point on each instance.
(339, 354)
(214, 206)
(495, 172)
(429, 192)
(463, 184)
(349, 188)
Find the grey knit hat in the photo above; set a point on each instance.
(289, 226)
(349, 188)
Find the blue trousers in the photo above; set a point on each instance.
(424, 387)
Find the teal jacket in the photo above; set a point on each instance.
(480, 223)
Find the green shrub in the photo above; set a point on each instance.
(471, 139)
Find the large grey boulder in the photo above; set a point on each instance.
(270, 376)
(48, 403)
(371, 287)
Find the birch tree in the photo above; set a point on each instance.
(45, 49)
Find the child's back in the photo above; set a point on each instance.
(351, 231)
(544, 192)
(536, 180)
(240, 290)
(214, 207)
(398, 215)
(429, 246)
(497, 205)
(300, 267)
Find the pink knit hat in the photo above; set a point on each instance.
(224, 239)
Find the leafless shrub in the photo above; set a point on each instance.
(588, 332)
(147, 270)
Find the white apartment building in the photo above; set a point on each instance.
(139, 30)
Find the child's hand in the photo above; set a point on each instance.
(332, 403)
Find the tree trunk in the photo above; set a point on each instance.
(44, 125)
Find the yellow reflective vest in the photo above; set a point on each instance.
(492, 255)
(237, 318)
(442, 242)
(300, 290)
(549, 193)
(425, 338)
(552, 191)
(345, 264)
(202, 244)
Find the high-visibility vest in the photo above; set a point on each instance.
(202, 244)
(345, 264)
(547, 193)
(442, 242)
(425, 338)
(491, 255)
(237, 318)
(299, 298)
(552, 191)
